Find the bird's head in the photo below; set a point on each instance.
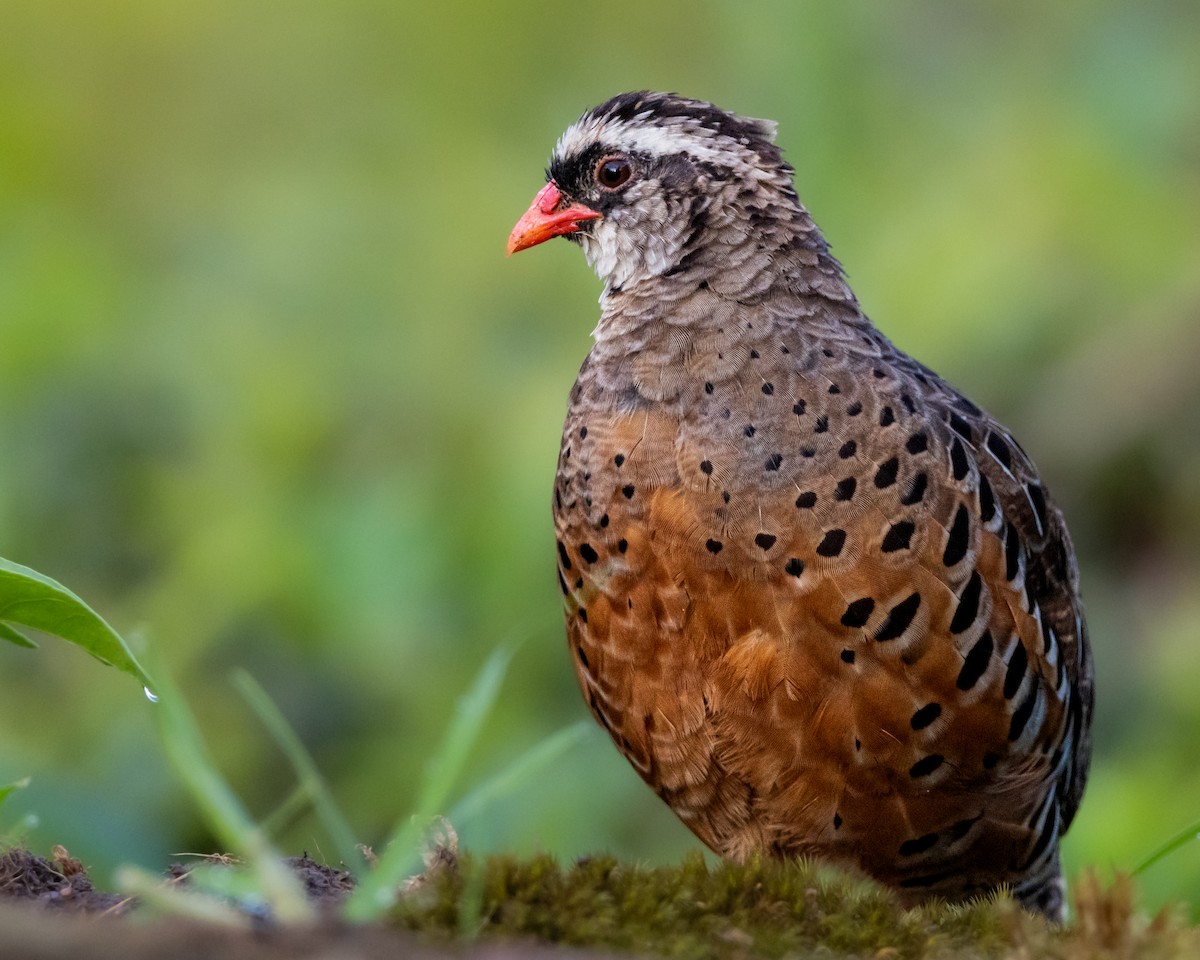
(653, 184)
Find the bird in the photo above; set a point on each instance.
(820, 600)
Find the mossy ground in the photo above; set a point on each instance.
(765, 909)
(503, 906)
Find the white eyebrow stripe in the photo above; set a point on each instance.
(657, 140)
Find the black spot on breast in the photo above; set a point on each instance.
(899, 618)
(832, 543)
(834, 388)
(925, 716)
(976, 662)
(898, 537)
(806, 500)
(916, 490)
(604, 521)
(854, 409)
(588, 553)
(773, 461)
(917, 443)
(845, 489)
(848, 656)
(968, 604)
(886, 417)
(622, 545)
(582, 657)
(848, 449)
(765, 541)
(619, 459)
(563, 556)
(583, 614)
(706, 467)
(753, 353)
(911, 848)
(628, 490)
(708, 388)
(749, 431)
(958, 460)
(926, 765)
(1012, 553)
(959, 539)
(714, 546)
(1016, 670)
(858, 612)
(583, 433)
(837, 821)
(799, 407)
(885, 476)
(962, 428)
(822, 425)
(1022, 714)
(725, 496)
(999, 449)
(768, 388)
(794, 567)
(908, 403)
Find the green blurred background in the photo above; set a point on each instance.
(271, 395)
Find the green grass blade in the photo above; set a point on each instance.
(311, 781)
(8, 788)
(168, 897)
(29, 599)
(1182, 839)
(377, 891)
(521, 771)
(222, 810)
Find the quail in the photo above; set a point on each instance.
(820, 600)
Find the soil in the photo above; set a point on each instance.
(49, 909)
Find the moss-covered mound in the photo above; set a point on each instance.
(763, 909)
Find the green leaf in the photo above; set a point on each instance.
(13, 635)
(29, 599)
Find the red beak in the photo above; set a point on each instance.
(544, 219)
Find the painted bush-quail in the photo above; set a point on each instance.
(819, 599)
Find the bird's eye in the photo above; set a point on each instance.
(613, 172)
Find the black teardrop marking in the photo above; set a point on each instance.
(1022, 714)
(885, 476)
(1038, 499)
(926, 715)
(898, 537)
(917, 845)
(832, 544)
(858, 612)
(959, 539)
(916, 492)
(1016, 670)
(987, 500)
(899, 618)
(976, 662)
(1012, 553)
(968, 604)
(926, 765)
(958, 460)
